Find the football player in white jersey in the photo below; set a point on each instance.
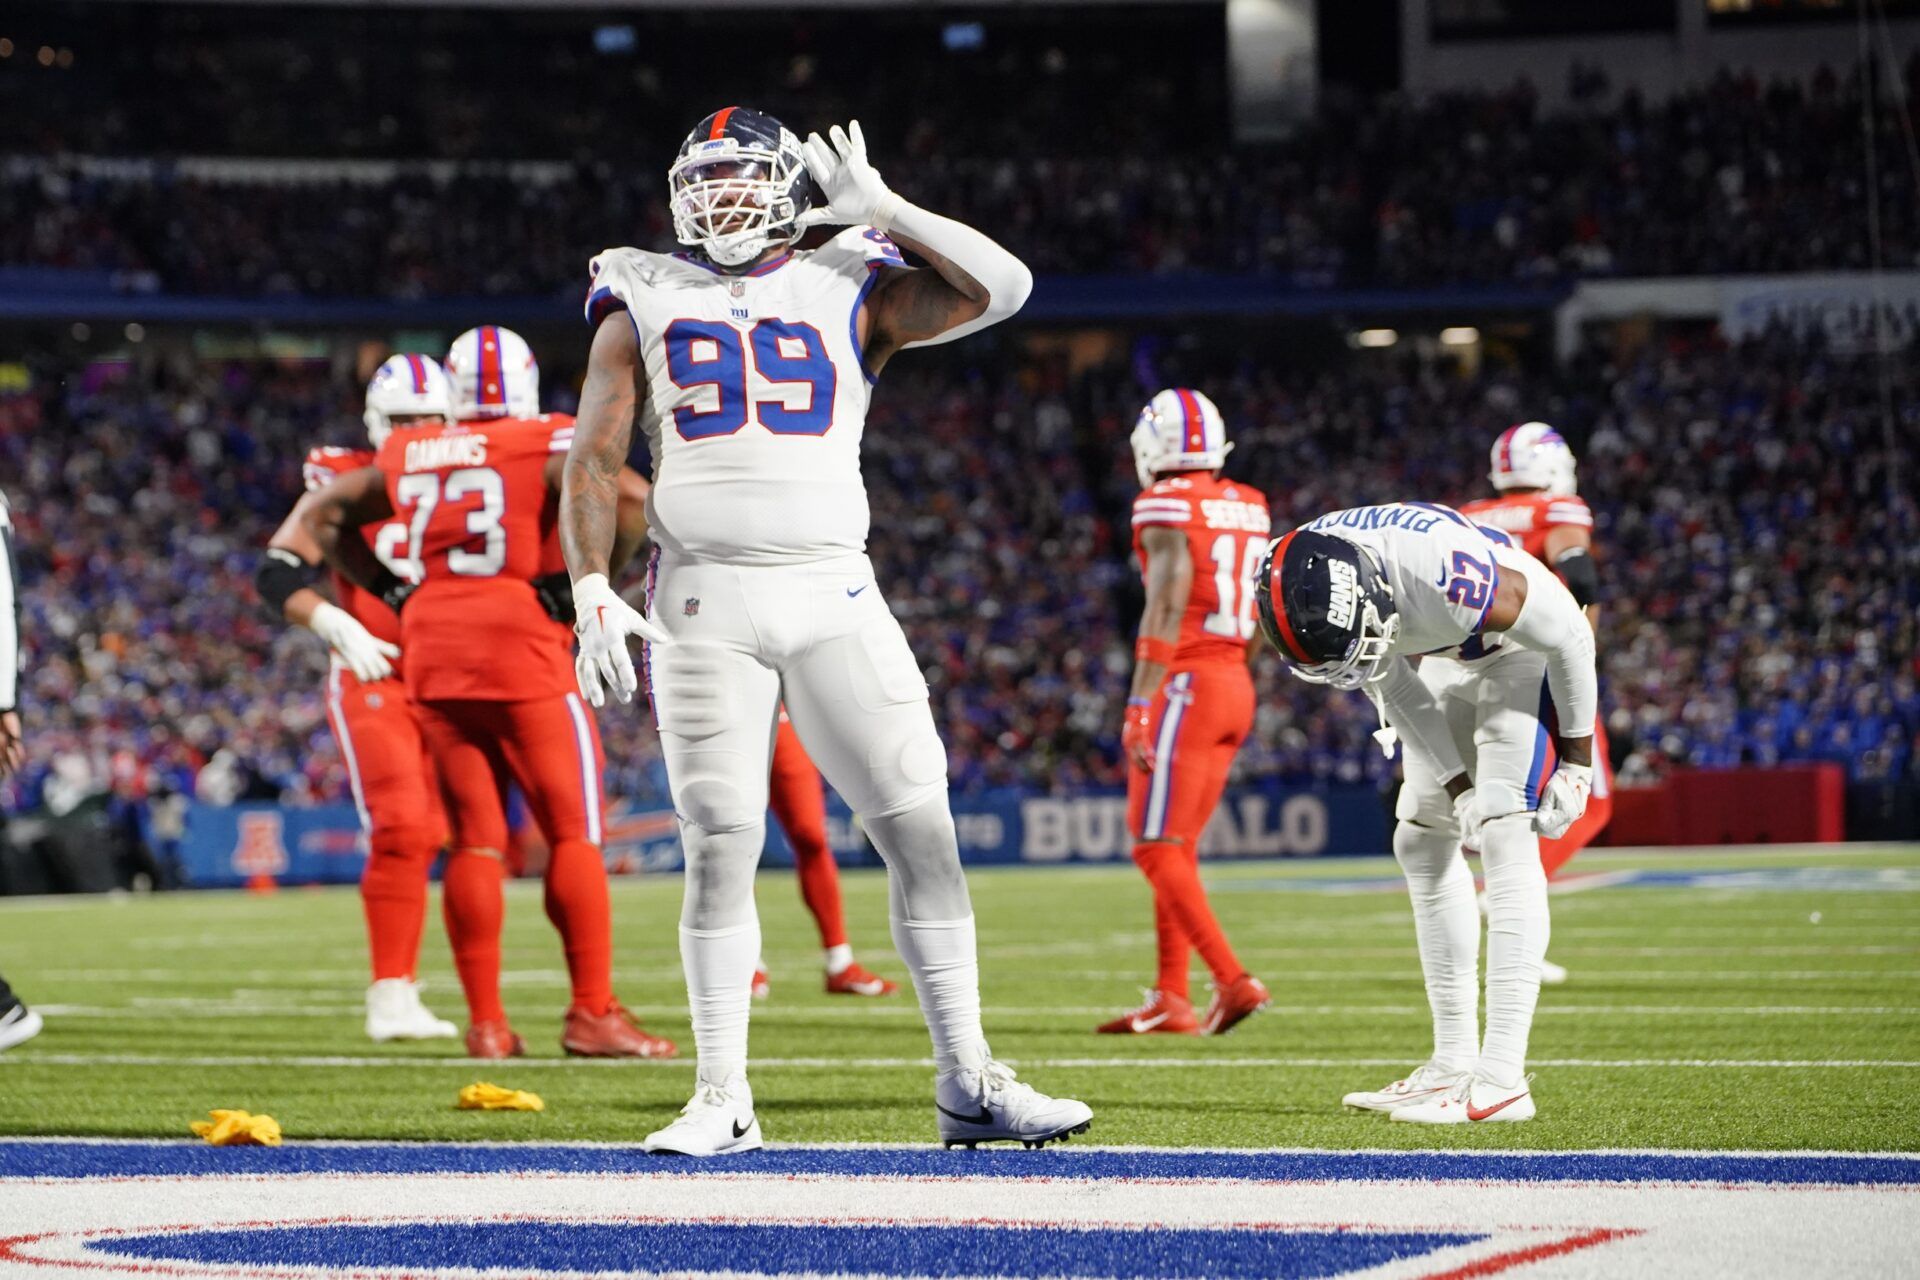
(1497, 721)
(748, 365)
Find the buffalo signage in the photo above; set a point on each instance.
(225, 846)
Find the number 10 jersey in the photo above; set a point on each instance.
(1226, 524)
(755, 397)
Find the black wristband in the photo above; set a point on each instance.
(281, 573)
(1576, 569)
(556, 596)
(392, 589)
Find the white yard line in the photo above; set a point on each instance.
(31, 1058)
(866, 1011)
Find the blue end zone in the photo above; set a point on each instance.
(799, 1249)
(55, 1159)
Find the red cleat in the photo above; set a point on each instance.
(761, 988)
(1233, 1003)
(613, 1034)
(855, 980)
(1162, 1014)
(494, 1040)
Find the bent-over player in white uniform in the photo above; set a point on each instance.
(749, 366)
(1504, 689)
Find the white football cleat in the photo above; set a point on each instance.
(1551, 974)
(18, 1024)
(719, 1119)
(394, 1012)
(1423, 1082)
(987, 1104)
(1472, 1101)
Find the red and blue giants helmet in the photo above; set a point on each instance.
(738, 186)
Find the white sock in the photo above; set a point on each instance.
(941, 956)
(719, 965)
(1517, 932)
(1447, 925)
(839, 959)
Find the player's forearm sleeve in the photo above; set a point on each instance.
(11, 655)
(1551, 623)
(1416, 715)
(1006, 279)
(1576, 569)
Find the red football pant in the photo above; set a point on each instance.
(551, 748)
(799, 801)
(1554, 853)
(393, 787)
(1199, 718)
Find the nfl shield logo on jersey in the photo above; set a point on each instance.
(692, 606)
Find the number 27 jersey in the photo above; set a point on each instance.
(756, 396)
(1226, 526)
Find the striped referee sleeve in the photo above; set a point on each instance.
(12, 657)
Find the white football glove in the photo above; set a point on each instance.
(855, 194)
(367, 657)
(1563, 799)
(604, 621)
(1467, 813)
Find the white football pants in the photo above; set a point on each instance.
(819, 637)
(1497, 709)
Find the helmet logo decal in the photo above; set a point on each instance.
(1345, 590)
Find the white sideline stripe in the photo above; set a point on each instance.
(1498, 1156)
(354, 979)
(865, 1010)
(30, 1058)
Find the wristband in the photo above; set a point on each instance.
(1139, 702)
(1154, 649)
(885, 212)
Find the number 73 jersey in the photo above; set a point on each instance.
(474, 500)
(756, 396)
(1226, 525)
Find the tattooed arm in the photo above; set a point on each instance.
(590, 491)
(971, 281)
(596, 508)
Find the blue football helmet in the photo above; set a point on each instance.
(738, 186)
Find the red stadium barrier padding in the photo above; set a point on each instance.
(1802, 804)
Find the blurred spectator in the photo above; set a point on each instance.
(1760, 579)
(1463, 188)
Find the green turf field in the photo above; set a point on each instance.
(1744, 1015)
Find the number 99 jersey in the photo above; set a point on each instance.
(1226, 524)
(756, 396)
(478, 512)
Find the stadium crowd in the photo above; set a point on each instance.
(1486, 188)
(1745, 492)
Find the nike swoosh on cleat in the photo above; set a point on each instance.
(985, 1116)
(854, 591)
(1481, 1113)
(1144, 1025)
(740, 1130)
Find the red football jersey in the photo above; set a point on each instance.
(1226, 524)
(1530, 516)
(388, 540)
(479, 513)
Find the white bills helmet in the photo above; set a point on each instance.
(738, 186)
(405, 386)
(494, 375)
(1533, 456)
(1179, 430)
